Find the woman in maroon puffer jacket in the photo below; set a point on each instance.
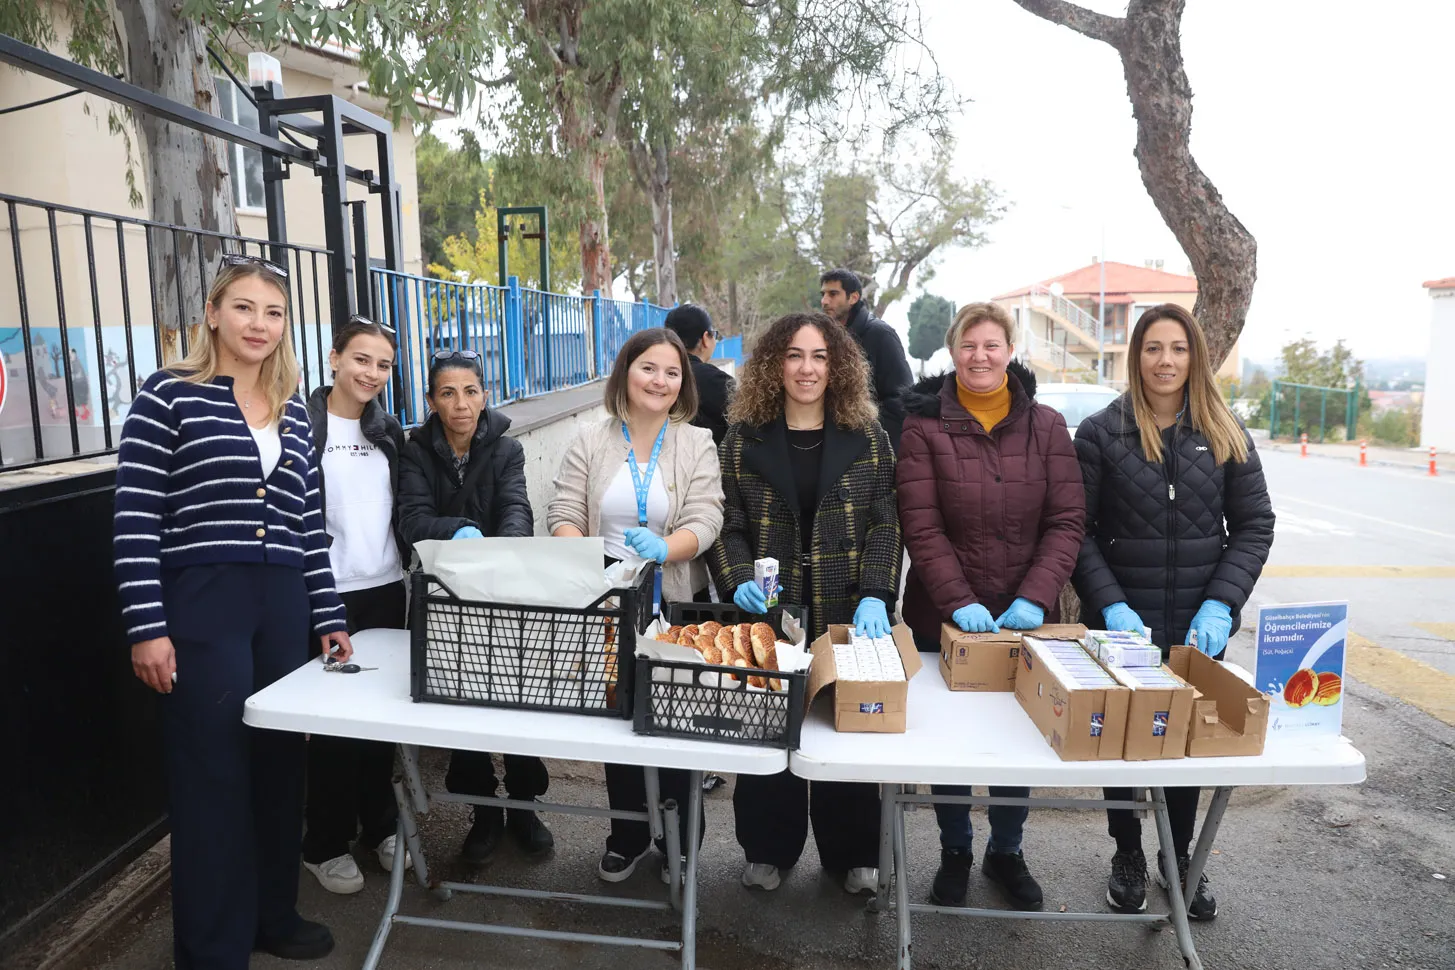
(992, 508)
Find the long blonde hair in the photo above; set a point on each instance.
(1209, 413)
(278, 378)
(848, 402)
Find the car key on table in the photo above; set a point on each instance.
(334, 667)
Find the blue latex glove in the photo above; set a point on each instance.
(1212, 624)
(647, 544)
(467, 532)
(749, 596)
(871, 619)
(1022, 615)
(1121, 617)
(974, 618)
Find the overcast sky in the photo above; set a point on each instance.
(1327, 127)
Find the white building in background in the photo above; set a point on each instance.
(1437, 424)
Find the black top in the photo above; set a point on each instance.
(431, 476)
(805, 457)
(714, 393)
(889, 372)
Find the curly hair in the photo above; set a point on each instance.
(848, 401)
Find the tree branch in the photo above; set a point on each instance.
(493, 82)
(1097, 26)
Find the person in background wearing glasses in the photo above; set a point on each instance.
(647, 483)
(714, 387)
(223, 574)
(349, 780)
(463, 478)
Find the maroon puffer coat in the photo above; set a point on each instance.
(987, 517)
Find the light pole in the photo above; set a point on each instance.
(1101, 313)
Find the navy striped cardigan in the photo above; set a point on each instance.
(190, 491)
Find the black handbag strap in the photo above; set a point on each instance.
(479, 464)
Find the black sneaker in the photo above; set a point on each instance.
(529, 832)
(1126, 890)
(953, 878)
(308, 941)
(615, 867)
(1203, 905)
(1008, 870)
(484, 836)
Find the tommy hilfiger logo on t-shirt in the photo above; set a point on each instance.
(361, 451)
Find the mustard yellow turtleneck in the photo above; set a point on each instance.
(989, 408)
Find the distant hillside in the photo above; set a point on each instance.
(1385, 370)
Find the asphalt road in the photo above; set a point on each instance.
(1306, 877)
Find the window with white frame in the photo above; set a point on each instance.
(247, 163)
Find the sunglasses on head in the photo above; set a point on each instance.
(361, 320)
(472, 356)
(244, 259)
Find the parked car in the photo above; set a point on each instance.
(1076, 402)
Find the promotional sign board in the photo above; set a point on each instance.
(1300, 665)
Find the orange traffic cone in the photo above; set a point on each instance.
(1433, 473)
(1303, 445)
(1363, 454)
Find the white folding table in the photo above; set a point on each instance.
(375, 705)
(971, 738)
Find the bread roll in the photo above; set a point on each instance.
(740, 662)
(724, 641)
(765, 650)
(690, 631)
(710, 628)
(670, 636)
(743, 641)
(707, 646)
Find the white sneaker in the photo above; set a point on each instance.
(339, 875)
(386, 854)
(760, 875)
(862, 880)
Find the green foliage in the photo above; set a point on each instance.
(450, 183)
(929, 320)
(1304, 363)
(1397, 427)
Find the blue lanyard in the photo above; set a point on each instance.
(643, 485)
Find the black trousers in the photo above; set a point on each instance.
(773, 812)
(626, 790)
(350, 790)
(1126, 828)
(473, 773)
(234, 794)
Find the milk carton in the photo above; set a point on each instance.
(765, 574)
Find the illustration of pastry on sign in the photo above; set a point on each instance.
(1329, 689)
(1301, 688)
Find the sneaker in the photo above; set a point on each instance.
(1203, 905)
(1008, 870)
(1126, 890)
(615, 867)
(308, 941)
(385, 851)
(760, 875)
(953, 877)
(484, 836)
(667, 873)
(529, 832)
(338, 875)
(864, 879)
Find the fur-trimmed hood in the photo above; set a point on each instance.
(923, 398)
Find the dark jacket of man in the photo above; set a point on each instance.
(714, 392)
(987, 515)
(429, 481)
(1165, 537)
(888, 366)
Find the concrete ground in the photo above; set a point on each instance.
(1305, 877)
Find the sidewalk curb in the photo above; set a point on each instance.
(67, 945)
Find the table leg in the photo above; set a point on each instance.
(653, 782)
(396, 891)
(406, 797)
(689, 875)
(901, 885)
(887, 795)
(1205, 838)
(1177, 910)
(672, 843)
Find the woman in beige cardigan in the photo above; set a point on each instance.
(648, 483)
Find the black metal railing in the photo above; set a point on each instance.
(91, 303)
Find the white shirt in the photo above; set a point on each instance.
(270, 446)
(619, 509)
(360, 508)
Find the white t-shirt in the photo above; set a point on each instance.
(360, 506)
(619, 509)
(270, 446)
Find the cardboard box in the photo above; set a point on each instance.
(1229, 715)
(988, 661)
(1080, 724)
(1157, 717)
(865, 706)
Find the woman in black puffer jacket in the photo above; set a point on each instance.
(1178, 526)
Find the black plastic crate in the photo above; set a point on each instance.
(728, 710)
(577, 661)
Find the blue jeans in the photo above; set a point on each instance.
(1007, 822)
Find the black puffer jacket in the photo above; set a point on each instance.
(889, 372)
(429, 482)
(1163, 538)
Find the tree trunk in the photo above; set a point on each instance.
(1223, 253)
(186, 172)
(595, 244)
(653, 174)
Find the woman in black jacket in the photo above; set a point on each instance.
(1178, 526)
(462, 478)
(358, 445)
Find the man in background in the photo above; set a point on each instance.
(842, 297)
(714, 387)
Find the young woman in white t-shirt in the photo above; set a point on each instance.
(349, 780)
(646, 447)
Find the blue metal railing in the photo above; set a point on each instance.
(530, 341)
